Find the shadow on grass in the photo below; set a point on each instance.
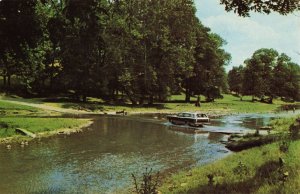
(99, 106)
(288, 107)
(268, 173)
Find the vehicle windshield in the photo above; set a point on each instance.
(201, 115)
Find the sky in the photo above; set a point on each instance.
(246, 35)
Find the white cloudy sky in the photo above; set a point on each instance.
(246, 35)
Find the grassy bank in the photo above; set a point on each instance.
(257, 170)
(14, 116)
(265, 169)
(36, 125)
(229, 104)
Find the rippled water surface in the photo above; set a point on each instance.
(102, 158)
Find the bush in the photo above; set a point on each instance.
(148, 185)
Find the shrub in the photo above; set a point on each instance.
(148, 184)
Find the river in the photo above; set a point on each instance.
(102, 158)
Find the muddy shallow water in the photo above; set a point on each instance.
(102, 158)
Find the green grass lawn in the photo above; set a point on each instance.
(11, 106)
(229, 104)
(8, 109)
(282, 124)
(14, 116)
(256, 170)
(175, 103)
(36, 125)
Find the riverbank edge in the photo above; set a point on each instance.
(186, 181)
(45, 134)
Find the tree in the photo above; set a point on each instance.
(82, 46)
(156, 46)
(286, 79)
(243, 8)
(258, 73)
(269, 74)
(21, 36)
(235, 79)
(209, 73)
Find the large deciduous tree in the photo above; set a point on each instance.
(82, 46)
(243, 7)
(267, 73)
(21, 40)
(235, 79)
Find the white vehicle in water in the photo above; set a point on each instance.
(190, 118)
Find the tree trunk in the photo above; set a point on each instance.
(187, 92)
(84, 98)
(270, 100)
(4, 81)
(141, 101)
(151, 99)
(8, 82)
(133, 102)
(187, 96)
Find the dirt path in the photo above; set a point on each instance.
(46, 107)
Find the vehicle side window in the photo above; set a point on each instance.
(187, 115)
(180, 115)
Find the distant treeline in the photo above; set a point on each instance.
(267, 74)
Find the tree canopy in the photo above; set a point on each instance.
(144, 50)
(266, 74)
(243, 8)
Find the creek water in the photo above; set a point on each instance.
(102, 158)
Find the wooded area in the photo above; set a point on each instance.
(266, 74)
(143, 51)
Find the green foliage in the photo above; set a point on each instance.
(294, 129)
(243, 8)
(145, 50)
(284, 145)
(282, 124)
(148, 185)
(266, 74)
(235, 79)
(241, 170)
(21, 40)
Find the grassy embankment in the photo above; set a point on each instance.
(14, 116)
(229, 104)
(256, 170)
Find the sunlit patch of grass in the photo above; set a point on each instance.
(36, 125)
(11, 106)
(263, 173)
(282, 124)
(175, 103)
